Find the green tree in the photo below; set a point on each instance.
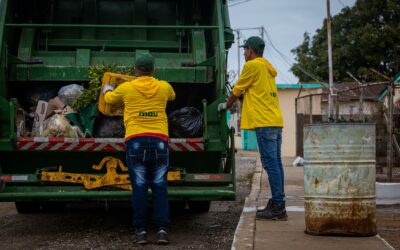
(364, 36)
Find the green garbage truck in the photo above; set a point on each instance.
(48, 44)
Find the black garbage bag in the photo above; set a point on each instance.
(29, 95)
(109, 127)
(186, 122)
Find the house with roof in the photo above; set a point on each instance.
(349, 101)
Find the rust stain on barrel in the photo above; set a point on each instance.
(316, 182)
(353, 219)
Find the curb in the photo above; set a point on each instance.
(245, 230)
(387, 193)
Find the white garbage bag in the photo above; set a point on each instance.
(68, 94)
(298, 162)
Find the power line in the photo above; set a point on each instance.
(271, 54)
(342, 3)
(289, 61)
(237, 2)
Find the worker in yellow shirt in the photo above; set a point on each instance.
(261, 112)
(146, 140)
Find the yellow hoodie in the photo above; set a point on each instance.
(145, 100)
(260, 104)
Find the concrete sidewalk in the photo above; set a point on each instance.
(256, 234)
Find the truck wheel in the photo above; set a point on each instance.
(27, 207)
(199, 206)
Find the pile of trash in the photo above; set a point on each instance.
(49, 118)
(54, 117)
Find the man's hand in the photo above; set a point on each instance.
(107, 87)
(228, 104)
(222, 106)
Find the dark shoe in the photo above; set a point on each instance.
(268, 206)
(141, 237)
(275, 212)
(162, 237)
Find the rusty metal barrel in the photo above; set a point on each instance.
(339, 179)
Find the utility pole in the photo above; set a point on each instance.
(330, 64)
(238, 50)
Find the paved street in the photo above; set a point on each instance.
(91, 226)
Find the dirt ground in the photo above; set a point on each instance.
(92, 226)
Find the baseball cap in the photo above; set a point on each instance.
(144, 62)
(254, 42)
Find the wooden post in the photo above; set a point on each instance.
(311, 120)
(390, 132)
(330, 64)
(361, 103)
(337, 107)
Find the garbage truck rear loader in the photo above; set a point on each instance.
(46, 45)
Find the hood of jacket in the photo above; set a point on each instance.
(147, 86)
(269, 66)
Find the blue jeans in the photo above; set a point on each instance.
(147, 159)
(269, 141)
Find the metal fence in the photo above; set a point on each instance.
(358, 103)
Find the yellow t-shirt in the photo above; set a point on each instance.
(260, 104)
(145, 100)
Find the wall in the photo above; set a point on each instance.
(287, 97)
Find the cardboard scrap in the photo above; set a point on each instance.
(56, 106)
(39, 116)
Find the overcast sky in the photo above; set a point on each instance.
(285, 22)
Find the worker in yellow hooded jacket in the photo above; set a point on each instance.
(146, 140)
(261, 112)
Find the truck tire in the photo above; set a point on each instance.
(27, 207)
(199, 206)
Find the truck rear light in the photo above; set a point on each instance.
(14, 177)
(6, 178)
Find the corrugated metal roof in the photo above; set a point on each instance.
(371, 93)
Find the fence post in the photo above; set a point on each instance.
(337, 107)
(361, 104)
(311, 118)
(390, 131)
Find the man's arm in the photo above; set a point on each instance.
(244, 82)
(113, 96)
(231, 100)
(171, 94)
